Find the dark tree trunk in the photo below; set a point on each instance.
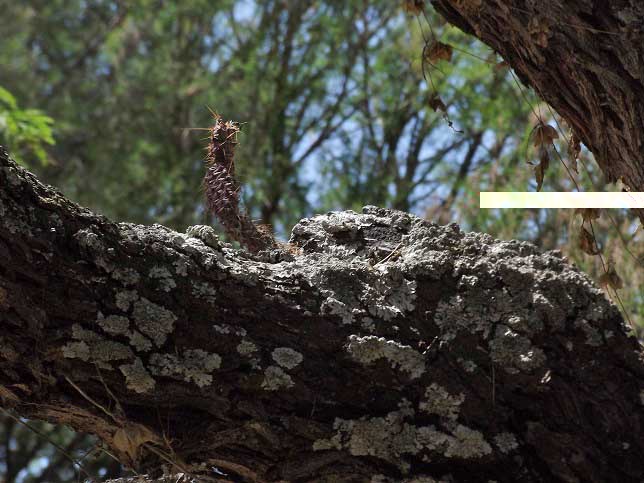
(584, 57)
(385, 349)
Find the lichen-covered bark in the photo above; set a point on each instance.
(386, 349)
(583, 57)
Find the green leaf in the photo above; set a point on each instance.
(8, 99)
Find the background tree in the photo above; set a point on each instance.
(335, 108)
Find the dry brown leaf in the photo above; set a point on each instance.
(611, 279)
(574, 148)
(414, 7)
(587, 242)
(438, 51)
(541, 168)
(437, 104)
(131, 437)
(544, 134)
(588, 214)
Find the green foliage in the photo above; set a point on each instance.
(26, 131)
(397, 151)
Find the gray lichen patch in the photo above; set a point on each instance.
(467, 365)
(367, 324)
(137, 378)
(107, 350)
(393, 438)
(509, 294)
(139, 341)
(89, 240)
(335, 307)
(462, 443)
(164, 277)
(120, 325)
(76, 350)
(92, 347)
(154, 321)
(125, 298)
(372, 348)
(515, 352)
(391, 295)
(387, 295)
(356, 277)
(477, 312)
(246, 348)
(83, 334)
(388, 438)
(506, 442)
(440, 402)
(181, 266)
(429, 249)
(204, 290)
(287, 357)
(320, 232)
(338, 259)
(113, 324)
(194, 366)
(275, 379)
(126, 276)
(229, 329)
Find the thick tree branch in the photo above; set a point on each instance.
(585, 58)
(387, 349)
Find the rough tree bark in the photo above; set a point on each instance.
(387, 349)
(584, 57)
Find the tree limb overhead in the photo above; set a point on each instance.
(584, 58)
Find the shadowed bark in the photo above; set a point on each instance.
(585, 58)
(387, 349)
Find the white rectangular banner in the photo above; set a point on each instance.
(556, 199)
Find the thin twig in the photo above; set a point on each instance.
(391, 254)
(613, 222)
(107, 389)
(472, 55)
(82, 393)
(167, 459)
(621, 304)
(525, 97)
